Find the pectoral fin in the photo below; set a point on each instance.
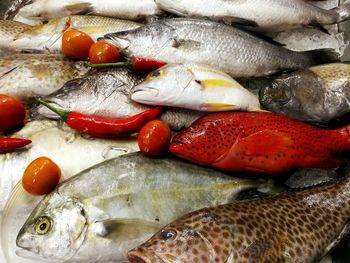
(80, 8)
(186, 44)
(125, 228)
(232, 20)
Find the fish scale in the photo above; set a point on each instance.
(299, 227)
(259, 142)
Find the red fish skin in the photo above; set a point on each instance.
(261, 142)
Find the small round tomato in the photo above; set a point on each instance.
(103, 52)
(41, 176)
(154, 138)
(12, 113)
(76, 44)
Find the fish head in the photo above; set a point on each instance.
(41, 37)
(276, 94)
(55, 229)
(185, 240)
(146, 41)
(170, 85)
(205, 141)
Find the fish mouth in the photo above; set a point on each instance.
(143, 256)
(116, 39)
(40, 110)
(144, 94)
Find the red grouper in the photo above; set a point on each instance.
(259, 143)
(293, 227)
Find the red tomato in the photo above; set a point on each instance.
(41, 176)
(103, 52)
(154, 138)
(76, 44)
(12, 113)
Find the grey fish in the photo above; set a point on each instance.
(318, 94)
(27, 75)
(298, 227)
(232, 50)
(270, 15)
(101, 213)
(107, 93)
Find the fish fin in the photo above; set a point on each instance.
(123, 227)
(264, 142)
(186, 44)
(80, 8)
(219, 106)
(322, 56)
(233, 20)
(319, 26)
(261, 110)
(343, 11)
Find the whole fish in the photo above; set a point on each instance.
(318, 94)
(131, 10)
(185, 40)
(268, 15)
(101, 213)
(27, 75)
(195, 87)
(97, 94)
(259, 143)
(9, 30)
(49, 36)
(299, 227)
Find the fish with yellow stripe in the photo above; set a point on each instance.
(196, 87)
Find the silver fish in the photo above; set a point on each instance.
(97, 94)
(48, 37)
(131, 9)
(232, 50)
(318, 94)
(298, 227)
(27, 75)
(270, 15)
(99, 214)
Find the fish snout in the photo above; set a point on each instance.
(23, 240)
(118, 39)
(142, 255)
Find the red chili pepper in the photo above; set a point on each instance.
(10, 144)
(103, 127)
(140, 65)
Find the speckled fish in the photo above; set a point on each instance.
(185, 40)
(196, 87)
(97, 94)
(9, 30)
(318, 94)
(298, 227)
(260, 143)
(131, 10)
(27, 75)
(101, 213)
(268, 15)
(49, 36)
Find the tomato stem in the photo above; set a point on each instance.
(61, 113)
(127, 64)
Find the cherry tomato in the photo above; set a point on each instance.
(41, 176)
(76, 44)
(154, 138)
(103, 52)
(12, 113)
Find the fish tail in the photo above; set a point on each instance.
(343, 11)
(322, 56)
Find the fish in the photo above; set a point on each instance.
(48, 37)
(265, 143)
(9, 29)
(195, 87)
(96, 94)
(236, 52)
(131, 10)
(319, 94)
(104, 211)
(298, 227)
(266, 15)
(27, 75)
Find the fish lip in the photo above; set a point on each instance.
(120, 42)
(143, 256)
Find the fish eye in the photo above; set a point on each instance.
(168, 235)
(43, 225)
(156, 73)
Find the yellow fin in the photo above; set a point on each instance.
(219, 83)
(218, 106)
(261, 110)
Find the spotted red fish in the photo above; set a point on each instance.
(259, 143)
(298, 227)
